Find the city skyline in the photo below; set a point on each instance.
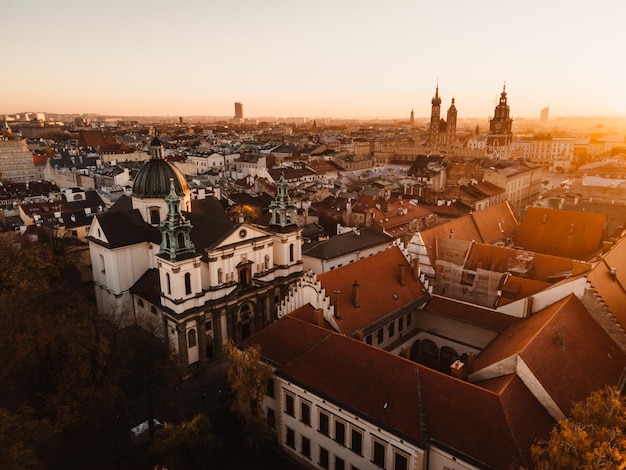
(343, 60)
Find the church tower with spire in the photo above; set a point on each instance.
(435, 113)
(286, 234)
(179, 264)
(500, 130)
(451, 125)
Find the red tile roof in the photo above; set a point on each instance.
(612, 289)
(286, 339)
(495, 223)
(470, 313)
(570, 234)
(500, 259)
(492, 427)
(560, 341)
(364, 380)
(380, 292)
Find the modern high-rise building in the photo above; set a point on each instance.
(238, 110)
(543, 117)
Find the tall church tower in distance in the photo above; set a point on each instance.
(435, 112)
(500, 130)
(451, 125)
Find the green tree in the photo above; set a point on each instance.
(188, 445)
(592, 437)
(248, 378)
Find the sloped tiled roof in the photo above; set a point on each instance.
(286, 339)
(560, 341)
(368, 381)
(345, 243)
(470, 313)
(493, 428)
(500, 259)
(380, 292)
(570, 234)
(612, 288)
(123, 228)
(495, 222)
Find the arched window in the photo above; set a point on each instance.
(102, 267)
(169, 283)
(181, 240)
(191, 338)
(291, 252)
(187, 283)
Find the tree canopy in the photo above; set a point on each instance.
(248, 377)
(592, 437)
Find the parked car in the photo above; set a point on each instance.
(141, 433)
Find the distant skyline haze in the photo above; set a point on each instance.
(282, 58)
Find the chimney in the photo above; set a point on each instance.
(355, 294)
(319, 317)
(401, 274)
(336, 294)
(613, 272)
(457, 369)
(405, 352)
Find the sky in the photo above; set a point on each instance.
(323, 58)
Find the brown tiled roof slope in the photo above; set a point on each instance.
(285, 340)
(564, 348)
(495, 223)
(494, 427)
(361, 379)
(570, 234)
(611, 288)
(380, 292)
(473, 314)
(497, 258)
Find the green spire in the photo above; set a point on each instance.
(175, 229)
(282, 208)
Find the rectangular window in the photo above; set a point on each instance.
(291, 438)
(378, 453)
(323, 423)
(340, 432)
(323, 458)
(400, 461)
(270, 387)
(356, 442)
(408, 319)
(400, 323)
(368, 339)
(392, 329)
(380, 335)
(306, 447)
(305, 413)
(271, 418)
(289, 406)
(339, 464)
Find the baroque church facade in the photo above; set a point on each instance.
(182, 267)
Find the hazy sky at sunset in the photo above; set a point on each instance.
(335, 58)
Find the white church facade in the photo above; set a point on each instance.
(183, 267)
